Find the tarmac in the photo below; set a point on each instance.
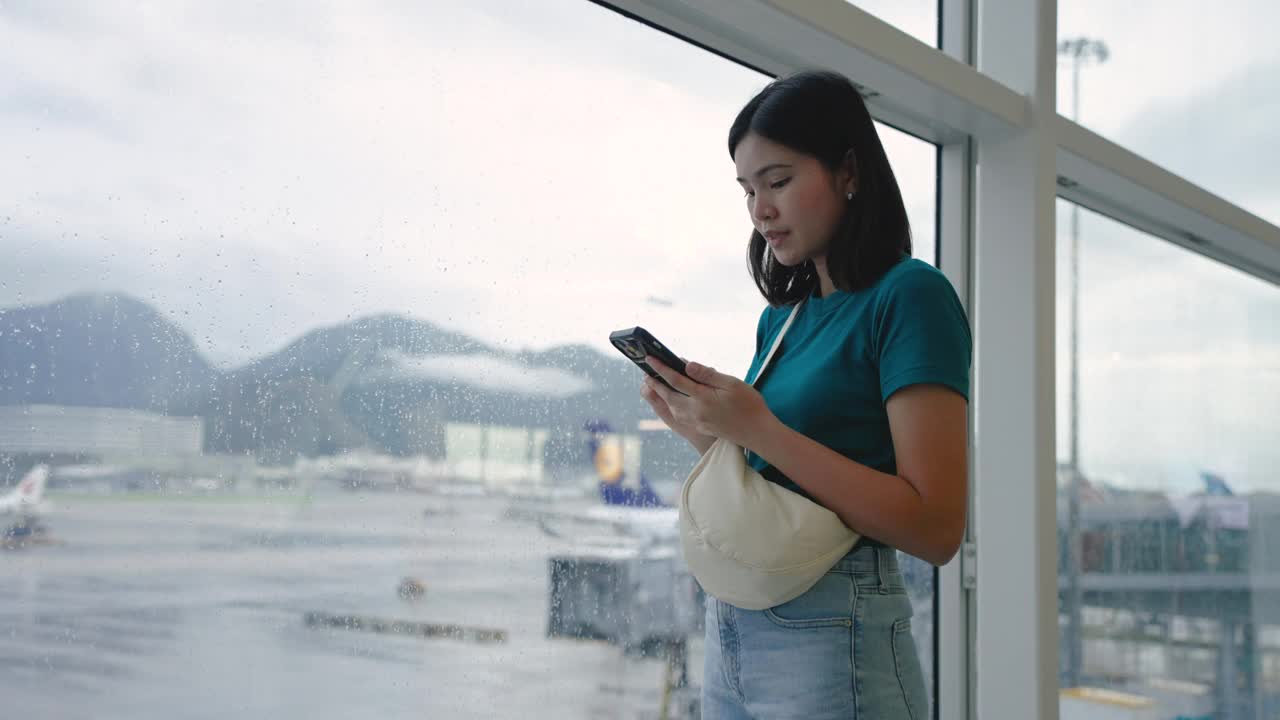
(349, 604)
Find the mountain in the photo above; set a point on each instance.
(320, 354)
(97, 350)
(384, 382)
(274, 419)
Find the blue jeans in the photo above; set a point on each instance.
(841, 650)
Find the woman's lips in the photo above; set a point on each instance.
(776, 239)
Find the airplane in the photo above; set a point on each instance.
(25, 504)
(629, 508)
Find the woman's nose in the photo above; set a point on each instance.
(764, 210)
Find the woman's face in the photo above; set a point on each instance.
(794, 201)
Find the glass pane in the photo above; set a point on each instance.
(306, 313)
(917, 18)
(1171, 600)
(1189, 86)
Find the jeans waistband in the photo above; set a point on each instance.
(871, 558)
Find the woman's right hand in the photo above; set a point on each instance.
(699, 441)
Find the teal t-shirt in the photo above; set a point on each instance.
(846, 353)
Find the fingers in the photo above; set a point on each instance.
(664, 393)
(651, 396)
(699, 372)
(708, 376)
(675, 379)
(660, 407)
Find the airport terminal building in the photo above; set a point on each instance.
(97, 432)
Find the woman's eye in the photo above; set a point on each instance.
(780, 183)
(748, 193)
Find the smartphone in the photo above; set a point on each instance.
(637, 342)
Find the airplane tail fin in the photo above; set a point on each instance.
(1215, 485)
(30, 490)
(605, 450)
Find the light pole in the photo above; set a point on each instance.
(1079, 50)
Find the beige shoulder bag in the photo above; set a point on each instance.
(751, 542)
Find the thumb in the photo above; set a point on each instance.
(707, 375)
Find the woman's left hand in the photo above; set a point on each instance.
(716, 404)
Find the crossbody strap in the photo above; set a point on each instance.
(776, 342)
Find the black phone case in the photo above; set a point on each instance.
(637, 340)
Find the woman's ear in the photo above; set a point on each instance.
(849, 172)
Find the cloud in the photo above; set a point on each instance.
(528, 179)
(1193, 91)
(1216, 138)
(1160, 50)
(484, 371)
(1179, 355)
(531, 176)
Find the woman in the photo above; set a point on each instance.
(863, 409)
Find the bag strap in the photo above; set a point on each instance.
(776, 342)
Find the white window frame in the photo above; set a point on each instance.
(1005, 155)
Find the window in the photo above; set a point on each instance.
(1191, 88)
(306, 316)
(1179, 375)
(917, 18)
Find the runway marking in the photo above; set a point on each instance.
(405, 627)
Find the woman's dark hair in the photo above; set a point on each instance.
(821, 114)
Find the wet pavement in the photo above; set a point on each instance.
(196, 607)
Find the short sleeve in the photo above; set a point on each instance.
(922, 335)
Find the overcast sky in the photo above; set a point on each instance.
(533, 173)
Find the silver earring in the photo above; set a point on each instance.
(848, 196)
